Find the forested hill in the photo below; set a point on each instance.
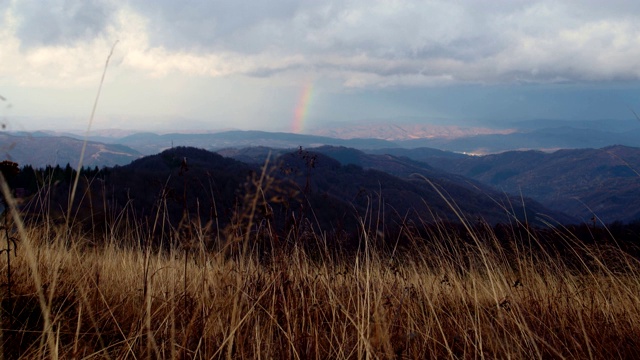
(583, 182)
(298, 189)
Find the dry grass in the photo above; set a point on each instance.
(435, 301)
(440, 297)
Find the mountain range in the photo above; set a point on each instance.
(582, 183)
(298, 189)
(604, 182)
(542, 134)
(600, 180)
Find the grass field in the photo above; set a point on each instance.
(78, 293)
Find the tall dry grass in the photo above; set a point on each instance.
(436, 296)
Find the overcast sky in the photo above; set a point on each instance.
(295, 65)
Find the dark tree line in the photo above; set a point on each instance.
(32, 179)
(308, 194)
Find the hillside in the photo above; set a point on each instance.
(401, 181)
(581, 182)
(300, 190)
(400, 166)
(40, 150)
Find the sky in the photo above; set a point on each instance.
(285, 65)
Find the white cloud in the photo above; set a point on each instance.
(362, 43)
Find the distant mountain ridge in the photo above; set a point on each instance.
(403, 132)
(470, 140)
(580, 182)
(585, 183)
(543, 134)
(549, 139)
(41, 149)
(150, 143)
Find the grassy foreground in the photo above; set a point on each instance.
(445, 299)
(75, 291)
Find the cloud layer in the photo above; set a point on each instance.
(243, 63)
(358, 43)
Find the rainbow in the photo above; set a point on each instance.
(302, 108)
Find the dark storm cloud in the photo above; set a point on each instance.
(60, 22)
(206, 25)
